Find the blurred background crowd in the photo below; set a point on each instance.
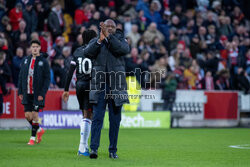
(201, 44)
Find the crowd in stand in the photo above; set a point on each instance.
(199, 43)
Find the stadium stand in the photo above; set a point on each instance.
(206, 44)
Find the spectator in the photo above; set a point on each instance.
(134, 35)
(195, 47)
(5, 70)
(153, 14)
(58, 47)
(151, 33)
(21, 34)
(81, 14)
(16, 16)
(223, 83)
(96, 19)
(66, 53)
(56, 21)
(208, 81)
(225, 27)
(242, 82)
(41, 16)
(127, 24)
(59, 71)
(17, 64)
(77, 43)
(169, 87)
(30, 17)
(174, 59)
(189, 74)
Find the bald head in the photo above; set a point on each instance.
(110, 26)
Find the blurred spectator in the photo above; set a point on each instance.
(21, 35)
(223, 83)
(77, 43)
(127, 24)
(59, 43)
(41, 16)
(17, 59)
(134, 35)
(151, 33)
(5, 70)
(242, 82)
(55, 20)
(195, 47)
(225, 27)
(30, 17)
(59, 71)
(15, 16)
(169, 87)
(208, 81)
(66, 53)
(81, 14)
(248, 62)
(95, 20)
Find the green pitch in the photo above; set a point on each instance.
(147, 147)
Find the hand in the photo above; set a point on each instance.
(65, 96)
(20, 97)
(40, 98)
(104, 29)
(102, 37)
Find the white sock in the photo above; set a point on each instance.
(84, 134)
(32, 138)
(39, 129)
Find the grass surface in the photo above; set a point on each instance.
(147, 147)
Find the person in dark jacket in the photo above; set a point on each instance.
(108, 53)
(16, 63)
(30, 18)
(34, 81)
(56, 21)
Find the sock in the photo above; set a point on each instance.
(84, 134)
(35, 127)
(30, 122)
(32, 138)
(39, 129)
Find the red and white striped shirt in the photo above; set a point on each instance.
(30, 76)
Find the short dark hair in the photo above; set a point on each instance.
(87, 36)
(35, 42)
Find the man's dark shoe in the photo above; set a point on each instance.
(113, 156)
(93, 154)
